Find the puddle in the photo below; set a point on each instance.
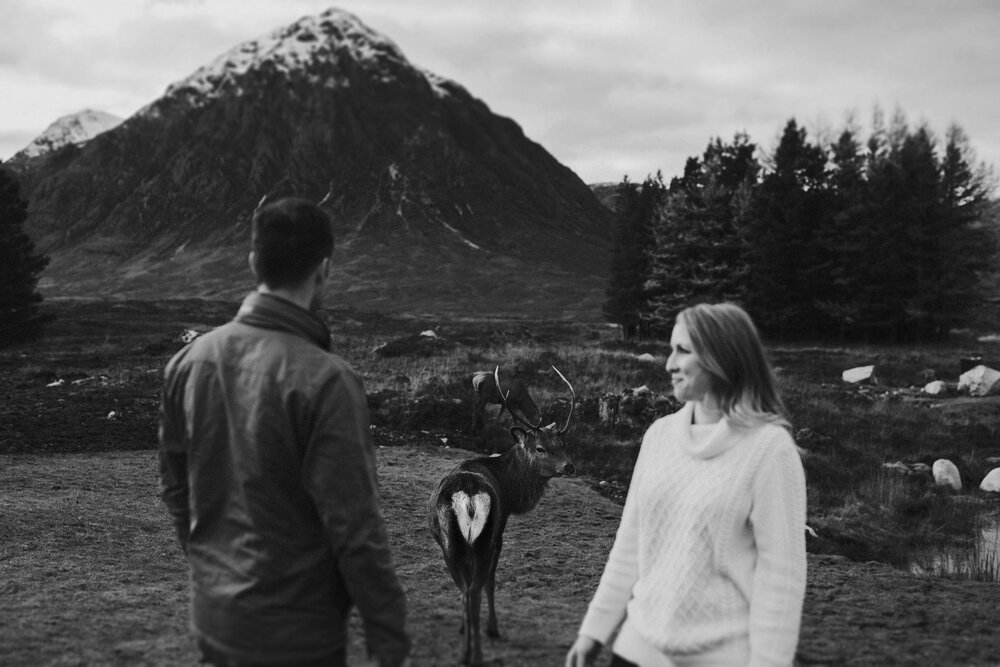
(980, 562)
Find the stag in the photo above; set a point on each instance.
(470, 507)
(515, 399)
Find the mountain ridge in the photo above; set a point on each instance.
(430, 191)
(75, 128)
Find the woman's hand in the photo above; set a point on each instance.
(583, 652)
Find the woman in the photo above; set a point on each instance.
(708, 565)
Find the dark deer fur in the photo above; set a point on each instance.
(471, 505)
(517, 399)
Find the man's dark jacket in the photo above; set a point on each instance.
(268, 469)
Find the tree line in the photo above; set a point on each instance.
(20, 268)
(883, 238)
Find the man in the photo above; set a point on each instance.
(268, 470)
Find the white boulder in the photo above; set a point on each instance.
(946, 474)
(991, 483)
(428, 333)
(980, 381)
(646, 356)
(936, 388)
(859, 374)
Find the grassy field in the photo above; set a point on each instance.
(87, 559)
(103, 360)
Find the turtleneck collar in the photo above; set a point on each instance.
(272, 312)
(719, 437)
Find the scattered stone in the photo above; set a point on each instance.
(58, 383)
(991, 483)
(860, 375)
(936, 388)
(428, 334)
(646, 357)
(946, 474)
(188, 335)
(980, 381)
(112, 415)
(912, 469)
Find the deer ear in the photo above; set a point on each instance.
(519, 434)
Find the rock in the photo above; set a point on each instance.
(991, 483)
(188, 335)
(936, 388)
(980, 381)
(646, 357)
(946, 474)
(908, 468)
(861, 374)
(607, 408)
(429, 333)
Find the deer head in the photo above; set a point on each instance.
(541, 444)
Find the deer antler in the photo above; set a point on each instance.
(572, 401)
(513, 414)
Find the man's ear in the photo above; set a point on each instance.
(322, 273)
(252, 261)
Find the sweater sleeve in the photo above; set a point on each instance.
(778, 517)
(607, 608)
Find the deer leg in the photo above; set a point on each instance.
(466, 640)
(472, 626)
(492, 630)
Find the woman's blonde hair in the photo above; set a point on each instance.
(730, 349)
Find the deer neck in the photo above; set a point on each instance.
(519, 478)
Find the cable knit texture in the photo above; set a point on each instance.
(711, 546)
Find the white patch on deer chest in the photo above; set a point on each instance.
(471, 513)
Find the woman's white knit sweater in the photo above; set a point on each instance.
(711, 546)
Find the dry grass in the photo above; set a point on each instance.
(92, 575)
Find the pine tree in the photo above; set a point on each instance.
(20, 268)
(699, 246)
(791, 205)
(843, 234)
(637, 206)
(966, 245)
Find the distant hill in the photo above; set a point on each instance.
(606, 193)
(440, 204)
(72, 129)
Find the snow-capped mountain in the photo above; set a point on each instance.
(75, 128)
(334, 37)
(435, 198)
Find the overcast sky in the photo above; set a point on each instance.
(609, 87)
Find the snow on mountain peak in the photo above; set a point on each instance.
(75, 128)
(330, 35)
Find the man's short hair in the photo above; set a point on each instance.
(290, 238)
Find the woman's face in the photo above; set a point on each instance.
(689, 378)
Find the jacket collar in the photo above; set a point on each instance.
(267, 311)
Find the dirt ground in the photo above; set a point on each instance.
(90, 575)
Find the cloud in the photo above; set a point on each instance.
(607, 87)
